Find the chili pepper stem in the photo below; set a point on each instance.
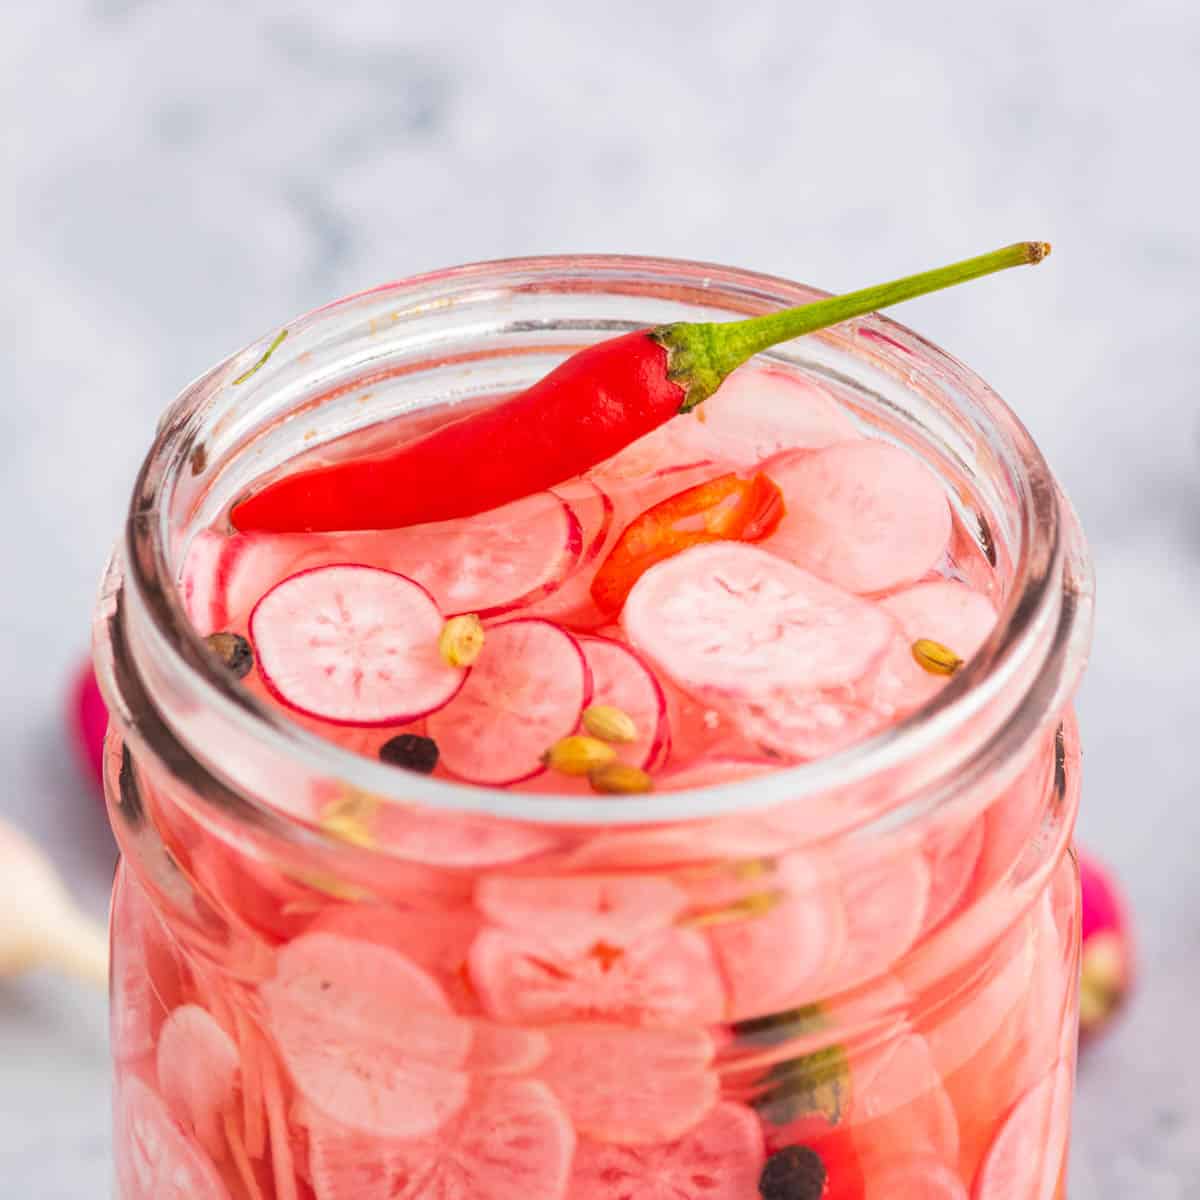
(702, 354)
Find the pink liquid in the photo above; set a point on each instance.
(732, 1008)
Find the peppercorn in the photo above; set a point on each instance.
(234, 652)
(410, 751)
(793, 1173)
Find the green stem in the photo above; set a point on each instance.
(701, 355)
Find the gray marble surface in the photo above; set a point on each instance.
(177, 178)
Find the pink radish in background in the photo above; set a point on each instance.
(1107, 964)
(87, 717)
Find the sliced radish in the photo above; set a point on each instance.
(512, 1142)
(946, 612)
(505, 1049)
(631, 1086)
(367, 1036)
(712, 772)
(862, 515)
(621, 678)
(574, 913)
(720, 1159)
(919, 1179)
(761, 640)
(666, 978)
(885, 906)
(757, 413)
(197, 1073)
(1025, 1157)
(778, 957)
(353, 646)
(594, 510)
(156, 1160)
(526, 691)
(900, 1105)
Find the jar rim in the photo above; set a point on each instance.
(1051, 586)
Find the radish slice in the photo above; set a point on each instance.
(574, 913)
(951, 613)
(367, 1036)
(197, 1072)
(631, 1086)
(760, 639)
(757, 413)
(200, 581)
(952, 854)
(353, 646)
(664, 978)
(712, 772)
(156, 1160)
(593, 509)
(919, 1179)
(505, 1049)
(1025, 1157)
(622, 679)
(513, 1142)
(526, 691)
(778, 958)
(862, 515)
(720, 1159)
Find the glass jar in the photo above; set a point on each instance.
(862, 969)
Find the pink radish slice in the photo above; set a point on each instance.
(864, 515)
(778, 958)
(664, 979)
(720, 1159)
(918, 1179)
(900, 1105)
(353, 646)
(947, 612)
(631, 1086)
(757, 413)
(525, 691)
(436, 940)
(593, 509)
(367, 1036)
(200, 581)
(156, 1160)
(885, 909)
(1025, 1157)
(574, 913)
(197, 1073)
(512, 1142)
(505, 1049)
(952, 854)
(734, 621)
(621, 678)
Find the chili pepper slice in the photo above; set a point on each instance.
(589, 407)
(727, 508)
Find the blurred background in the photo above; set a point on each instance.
(174, 184)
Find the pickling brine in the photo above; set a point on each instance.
(696, 829)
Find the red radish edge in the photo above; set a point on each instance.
(660, 744)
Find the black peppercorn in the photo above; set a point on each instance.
(793, 1173)
(410, 751)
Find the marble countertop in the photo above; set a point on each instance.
(176, 183)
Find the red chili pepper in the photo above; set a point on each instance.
(723, 509)
(589, 407)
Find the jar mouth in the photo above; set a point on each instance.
(1025, 672)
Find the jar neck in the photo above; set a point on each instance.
(463, 336)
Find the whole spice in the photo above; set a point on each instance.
(234, 652)
(934, 657)
(589, 407)
(620, 779)
(793, 1173)
(609, 723)
(410, 751)
(461, 640)
(577, 755)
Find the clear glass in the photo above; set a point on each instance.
(868, 961)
